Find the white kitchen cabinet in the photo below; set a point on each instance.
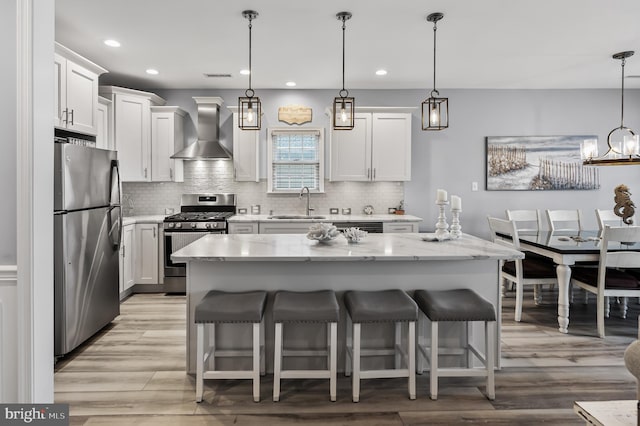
(284, 227)
(377, 149)
(243, 228)
(76, 91)
(104, 135)
(167, 138)
(399, 227)
(127, 257)
(132, 130)
(246, 153)
(147, 253)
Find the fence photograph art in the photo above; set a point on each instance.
(538, 163)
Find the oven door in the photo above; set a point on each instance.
(174, 241)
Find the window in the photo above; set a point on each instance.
(296, 160)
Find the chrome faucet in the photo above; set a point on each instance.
(309, 209)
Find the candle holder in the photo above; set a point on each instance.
(442, 227)
(456, 229)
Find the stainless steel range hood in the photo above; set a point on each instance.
(208, 146)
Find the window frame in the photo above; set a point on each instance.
(321, 159)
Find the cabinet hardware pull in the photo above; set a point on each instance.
(170, 173)
(374, 173)
(368, 173)
(124, 248)
(154, 232)
(145, 172)
(234, 173)
(72, 117)
(66, 116)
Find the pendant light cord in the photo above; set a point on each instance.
(250, 73)
(622, 97)
(343, 54)
(435, 27)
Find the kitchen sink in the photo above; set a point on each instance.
(295, 216)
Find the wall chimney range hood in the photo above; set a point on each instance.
(207, 146)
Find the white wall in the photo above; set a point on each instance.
(453, 158)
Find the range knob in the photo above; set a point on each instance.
(178, 225)
(207, 225)
(193, 225)
(171, 225)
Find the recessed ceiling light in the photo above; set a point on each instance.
(112, 43)
(245, 72)
(290, 83)
(381, 72)
(152, 71)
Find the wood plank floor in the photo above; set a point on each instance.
(132, 373)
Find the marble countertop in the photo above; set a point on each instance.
(375, 247)
(130, 220)
(328, 218)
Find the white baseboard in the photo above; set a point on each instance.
(8, 333)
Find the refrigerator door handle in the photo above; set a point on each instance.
(115, 167)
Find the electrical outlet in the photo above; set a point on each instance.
(333, 210)
(474, 186)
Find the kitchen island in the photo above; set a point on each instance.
(293, 262)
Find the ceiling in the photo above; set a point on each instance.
(481, 44)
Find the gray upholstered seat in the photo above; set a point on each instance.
(313, 306)
(454, 305)
(220, 307)
(380, 306)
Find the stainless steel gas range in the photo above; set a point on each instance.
(200, 214)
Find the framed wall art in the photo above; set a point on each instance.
(538, 163)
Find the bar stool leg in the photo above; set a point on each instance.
(422, 320)
(348, 357)
(333, 360)
(256, 361)
(355, 382)
(263, 351)
(433, 386)
(199, 361)
(398, 344)
(277, 361)
(490, 342)
(412, 359)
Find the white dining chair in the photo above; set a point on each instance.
(607, 217)
(564, 220)
(608, 280)
(521, 272)
(526, 220)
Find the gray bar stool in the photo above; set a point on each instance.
(306, 307)
(219, 307)
(457, 305)
(388, 306)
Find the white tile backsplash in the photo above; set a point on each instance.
(146, 198)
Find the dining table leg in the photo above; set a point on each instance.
(564, 278)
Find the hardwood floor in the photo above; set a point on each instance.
(132, 373)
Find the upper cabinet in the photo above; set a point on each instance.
(167, 138)
(377, 149)
(246, 153)
(132, 130)
(104, 136)
(76, 91)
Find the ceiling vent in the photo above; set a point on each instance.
(217, 75)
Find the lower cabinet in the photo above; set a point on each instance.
(399, 227)
(127, 257)
(243, 228)
(284, 228)
(147, 253)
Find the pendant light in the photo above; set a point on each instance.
(620, 153)
(249, 107)
(435, 110)
(343, 105)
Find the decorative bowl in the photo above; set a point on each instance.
(354, 235)
(323, 232)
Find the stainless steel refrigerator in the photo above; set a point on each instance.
(87, 228)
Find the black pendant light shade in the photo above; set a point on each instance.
(435, 110)
(249, 106)
(343, 105)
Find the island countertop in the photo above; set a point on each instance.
(375, 247)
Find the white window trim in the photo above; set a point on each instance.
(321, 158)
